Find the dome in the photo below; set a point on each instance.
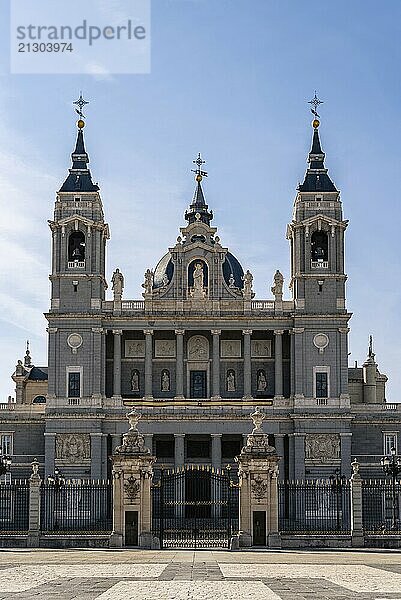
(231, 265)
(164, 267)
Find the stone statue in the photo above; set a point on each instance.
(165, 280)
(165, 381)
(148, 283)
(277, 288)
(133, 441)
(262, 381)
(198, 291)
(231, 281)
(258, 441)
(135, 381)
(230, 381)
(248, 282)
(118, 284)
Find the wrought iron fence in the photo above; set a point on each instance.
(315, 506)
(14, 507)
(381, 506)
(81, 506)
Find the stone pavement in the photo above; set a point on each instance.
(202, 575)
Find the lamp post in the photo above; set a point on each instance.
(337, 482)
(391, 466)
(5, 464)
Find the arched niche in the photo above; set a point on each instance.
(198, 278)
(76, 247)
(319, 246)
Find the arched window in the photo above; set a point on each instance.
(76, 247)
(319, 246)
(165, 381)
(39, 400)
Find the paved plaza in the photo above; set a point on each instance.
(202, 575)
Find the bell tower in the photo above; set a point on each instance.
(316, 236)
(79, 236)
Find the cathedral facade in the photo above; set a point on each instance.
(199, 352)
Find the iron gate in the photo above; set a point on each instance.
(195, 506)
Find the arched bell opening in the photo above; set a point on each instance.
(319, 247)
(76, 247)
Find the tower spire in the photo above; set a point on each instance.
(79, 178)
(316, 177)
(198, 209)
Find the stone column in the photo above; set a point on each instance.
(258, 471)
(34, 506)
(216, 364)
(278, 363)
(96, 455)
(345, 453)
(97, 363)
(132, 476)
(299, 456)
(357, 535)
(117, 333)
(299, 374)
(148, 437)
(247, 364)
(279, 443)
(148, 363)
(216, 450)
(50, 453)
(179, 385)
(179, 449)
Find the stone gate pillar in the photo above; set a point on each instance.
(132, 500)
(258, 493)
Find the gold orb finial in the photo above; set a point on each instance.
(80, 124)
(198, 178)
(315, 123)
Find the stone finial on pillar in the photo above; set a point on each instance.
(357, 535)
(34, 506)
(258, 474)
(132, 477)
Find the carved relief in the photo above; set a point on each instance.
(259, 488)
(132, 487)
(230, 348)
(164, 348)
(323, 447)
(198, 348)
(261, 348)
(134, 348)
(73, 447)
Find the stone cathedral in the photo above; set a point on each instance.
(198, 352)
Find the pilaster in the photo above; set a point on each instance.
(148, 363)
(247, 364)
(180, 364)
(216, 364)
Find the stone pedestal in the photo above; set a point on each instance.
(357, 534)
(132, 499)
(258, 494)
(34, 507)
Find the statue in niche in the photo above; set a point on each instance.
(262, 381)
(248, 282)
(165, 381)
(165, 280)
(231, 281)
(198, 291)
(230, 381)
(135, 381)
(277, 288)
(118, 284)
(148, 283)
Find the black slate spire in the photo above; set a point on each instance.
(316, 177)
(198, 209)
(79, 178)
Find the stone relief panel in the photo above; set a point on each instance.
(198, 348)
(73, 447)
(230, 348)
(323, 447)
(164, 348)
(134, 348)
(261, 348)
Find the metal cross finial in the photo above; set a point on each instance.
(315, 103)
(80, 103)
(199, 162)
(370, 345)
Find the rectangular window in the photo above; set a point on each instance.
(389, 441)
(74, 384)
(6, 444)
(321, 385)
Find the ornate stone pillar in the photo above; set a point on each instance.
(117, 333)
(258, 471)
(34, 506)
(179, 385)
(148, 363)
(132, 500)
(357, 534)
(278, 363)
(216, 364)
(179, 449)
(247, 364)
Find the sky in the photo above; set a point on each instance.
(230, 79)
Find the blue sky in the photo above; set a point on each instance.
(230, 79)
